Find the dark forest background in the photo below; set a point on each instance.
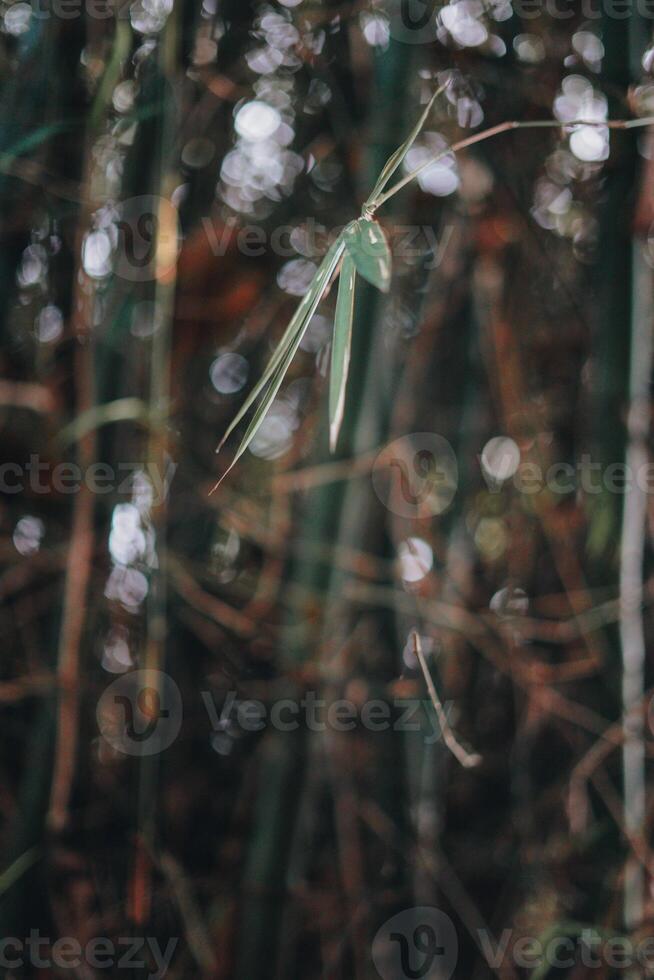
(521, 312)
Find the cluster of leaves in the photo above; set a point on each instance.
(360, 248)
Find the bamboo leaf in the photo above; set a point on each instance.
(281, 360)
(17, 868)
(341, 348)
(268, 398)
(366, 243)
(396, 159)
(36, 138)
(121, 410)
(300, 318)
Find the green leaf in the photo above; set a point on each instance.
(396, 159)
(268, 397)
(286, 351)
(17, 868)
(366, 243)
(341, 348)
(39, 136)
(298, 322)
(121, 410)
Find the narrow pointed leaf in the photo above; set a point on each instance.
(341, 348)
(305, 311)
(366, 243)
(282, 361)
(396, 159)
(39, 136)
(268, 398)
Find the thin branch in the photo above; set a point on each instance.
(78, 575)
(467, 759)
(505, 127)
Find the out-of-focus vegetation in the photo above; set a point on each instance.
(171, 177)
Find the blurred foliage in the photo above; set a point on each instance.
(171, 178)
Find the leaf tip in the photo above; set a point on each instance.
(216, 485)
(222, 442)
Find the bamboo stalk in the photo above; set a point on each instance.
(78, 565)
(632, 552)
(158, 398)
